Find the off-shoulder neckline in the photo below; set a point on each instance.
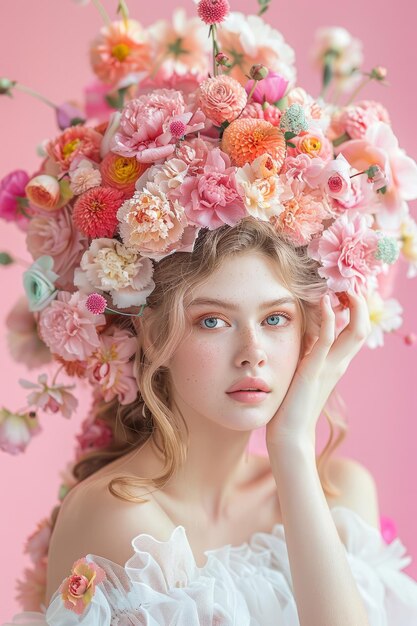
(235, 549)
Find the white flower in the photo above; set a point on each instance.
(167, 176)
(384, 315)
(110, 266)
(347, 49)
(50, 398)
(261, 193)
(83, 176)
(408, 235)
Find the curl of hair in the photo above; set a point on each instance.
(160, 332)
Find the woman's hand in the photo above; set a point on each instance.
(317, 374)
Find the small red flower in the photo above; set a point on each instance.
(95, 212)
(213, 11)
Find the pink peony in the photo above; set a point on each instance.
(212, 199)
(16, 430)
(269, 113)
(57, 237)
(142, 130)
(346, 251)
(303, 214)
(68, 328)
(194, 153)
(95, 435)
(73, 142)
(50, 398)
(295, 168)
(38, 542)
(23, 340)
(111, 368)
(222, 99)
(270, 89)
(31, 591)
(13, 196)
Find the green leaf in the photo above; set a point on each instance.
(291, 145)
(77, 121)
(6, 259)
(289, 135)
(263, 6)
(116, 99)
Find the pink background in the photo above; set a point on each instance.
(44, 45)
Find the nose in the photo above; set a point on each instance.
(250, 350)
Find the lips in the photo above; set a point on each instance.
(252, 384)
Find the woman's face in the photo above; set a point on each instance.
(237, 331)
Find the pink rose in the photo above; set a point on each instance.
(346, 251)
(78, 589)
(270, 89)
(222, 98)
(312, 143)
(68, 328)
(212, 199)
(95, 435)
(57, 237)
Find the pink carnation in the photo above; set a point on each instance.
(212, 199)
(73, 142)
(355, 121)
(303, 215)
(68, 328)
(269, 113)
(57, 237)
(12, 189)
(194, 153)
(142, 130)
(110, 367)
(346, 251)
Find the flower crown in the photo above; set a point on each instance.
(187, 128)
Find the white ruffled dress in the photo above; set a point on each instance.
(247, 585)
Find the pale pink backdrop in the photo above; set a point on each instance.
(44, 45)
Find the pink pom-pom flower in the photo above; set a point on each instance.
(96, 303)
(213, 11)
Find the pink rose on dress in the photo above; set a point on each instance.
(12, 192)
(78, 589)
(346, 251)
(68, 328)
(212, 199)
(142, 129)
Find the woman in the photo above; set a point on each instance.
(180, 525)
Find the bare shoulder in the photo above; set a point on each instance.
(358, 489)
(94, 521)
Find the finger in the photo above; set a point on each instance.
(352, 337)
(326, 337)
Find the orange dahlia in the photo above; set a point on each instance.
(246, 139)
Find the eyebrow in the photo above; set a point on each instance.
(234, 307)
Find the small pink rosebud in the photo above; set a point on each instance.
(223, 59)
(335, 183)
(213, 11)
(379, 73)
(410, 339)
(77, 585)
(258, 72)
(44, 192)
(96, 303)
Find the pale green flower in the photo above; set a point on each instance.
(39, 283)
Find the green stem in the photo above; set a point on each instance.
(128, 314)
(123, 9)
(345, 137)
(358, 89)
(213, 36)
(56, 375)
(35, 94)
(100, 8)
(255, 82)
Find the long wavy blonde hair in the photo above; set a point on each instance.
(160, 332)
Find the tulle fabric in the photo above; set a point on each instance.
(247, 585)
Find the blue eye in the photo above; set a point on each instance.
(275, 319)
(211, 322)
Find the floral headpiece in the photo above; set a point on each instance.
(191, 125)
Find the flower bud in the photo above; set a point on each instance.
(6, 86)
(379, 73)
(258, 72)
(223, 59)
(410, 339)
